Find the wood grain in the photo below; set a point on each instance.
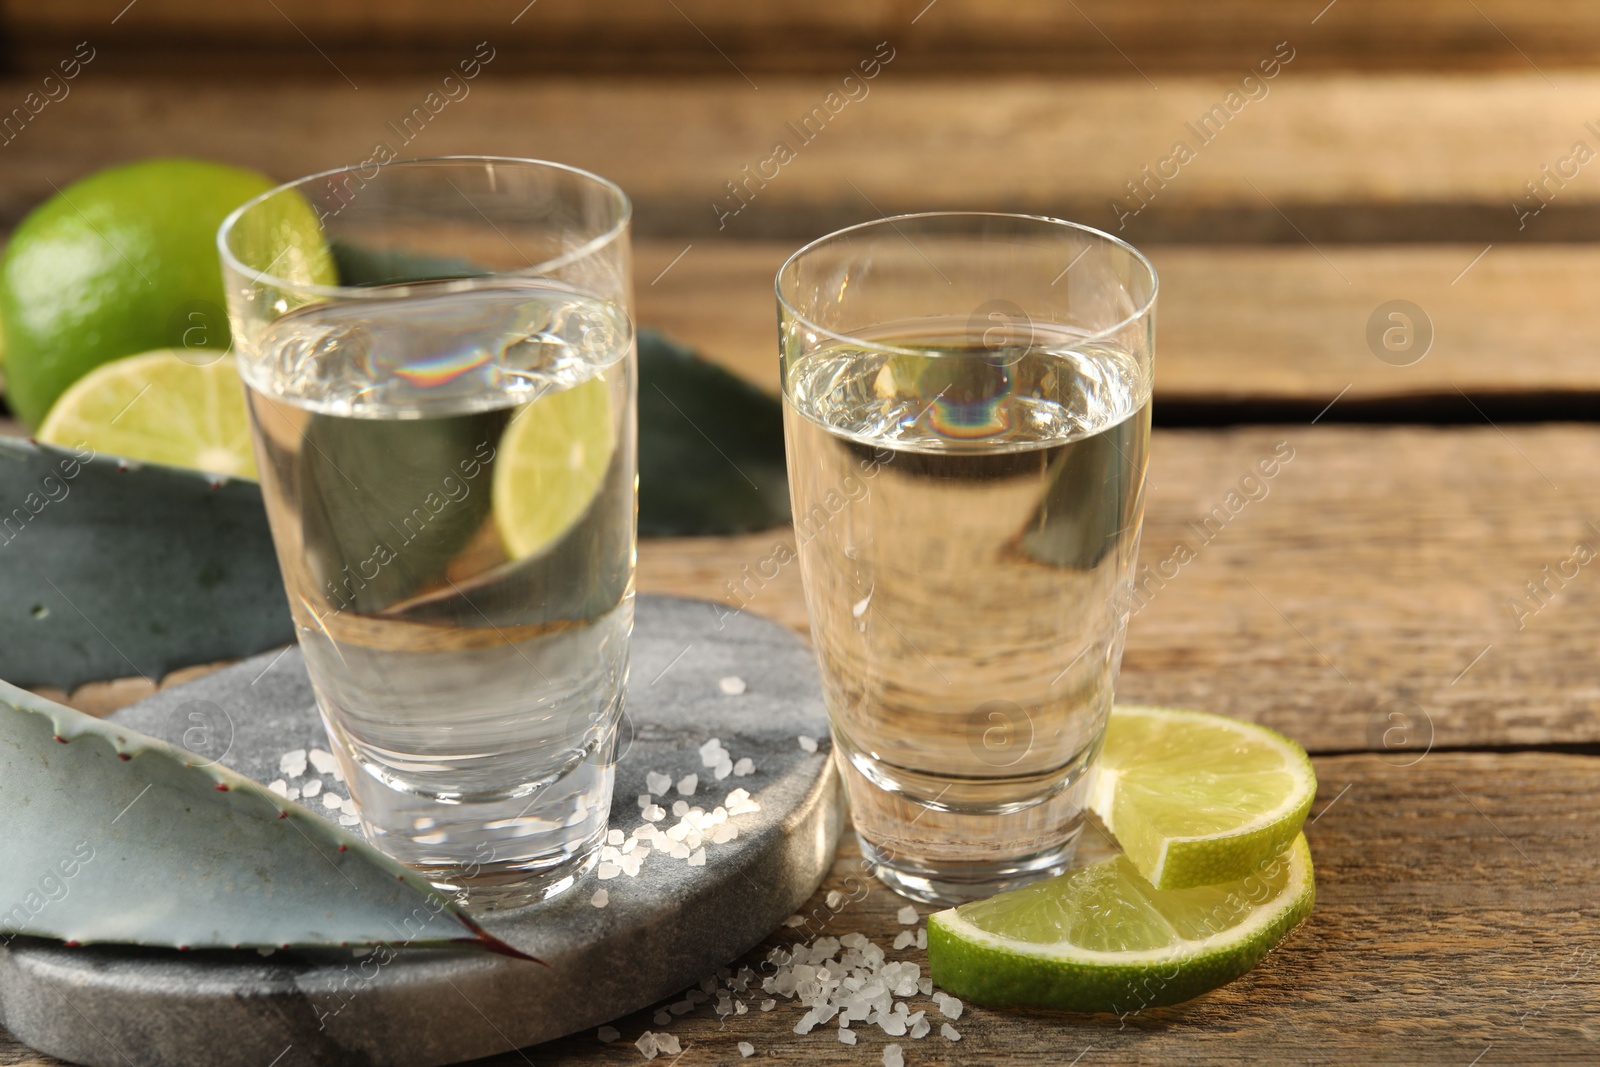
(1274, 325)
(1369, 598)
(1088, 36)
(1321, 158)
(1455, 919)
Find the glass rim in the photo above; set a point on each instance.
(588, 248)
(1143, 309)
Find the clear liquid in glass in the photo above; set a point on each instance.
(470, 680)
(967, 518)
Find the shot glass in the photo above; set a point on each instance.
(439, 361)
(967, 413)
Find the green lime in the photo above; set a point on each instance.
(1196, 799)
(159, 408)
(549, 465)
(1101, 938)
(125, 261)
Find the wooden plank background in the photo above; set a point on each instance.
(1328, 606)
(1303, 341)
(1320, 158)
(1084, 37)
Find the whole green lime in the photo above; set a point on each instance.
(123, 261)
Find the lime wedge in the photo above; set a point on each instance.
(1100, 938)
(1197, 799)
(159, 408)
(549, 465)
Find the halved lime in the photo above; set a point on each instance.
(549, 465)
(1101, 938)
(159, 407)
(125, 261)
(1195, 798)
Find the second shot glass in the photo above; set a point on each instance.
(967, 412)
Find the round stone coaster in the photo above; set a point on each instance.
(659, 932)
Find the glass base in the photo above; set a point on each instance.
(504, 888)
(947, 840)
(957, 883)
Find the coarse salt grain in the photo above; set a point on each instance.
(893, 1057)
(654, 813)
(657, 782)
(731, 686)
(601, 898)
(687, 784)
(311, 788)
(738, 802)
(278, 786)
(746, 1049)
(922, 937)
(662, 1017)
(647, 1045)
(847, 1037)
(668, 1043)
(607, 1034)
(904, 939)
(907, 915)
(833, 899)
(607, 870)
(711, 752)
(949, 1033)
(348, 818)
(723, 768)
(809, 744)
(332, 801)
(949, 1006)
(323, 760)
(698, 858)
(743, 767)
(293, 764)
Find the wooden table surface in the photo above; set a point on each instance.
(1402, 597)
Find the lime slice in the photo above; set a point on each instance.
(159, 408)
(1197, 799)
(1100, 938)
(549, 465)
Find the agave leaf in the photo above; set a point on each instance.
(108, 571)
(113, 836)
(710, 447)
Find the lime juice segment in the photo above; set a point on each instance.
(1197, 799)
(1102, 939)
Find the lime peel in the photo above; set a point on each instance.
(987, 966)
